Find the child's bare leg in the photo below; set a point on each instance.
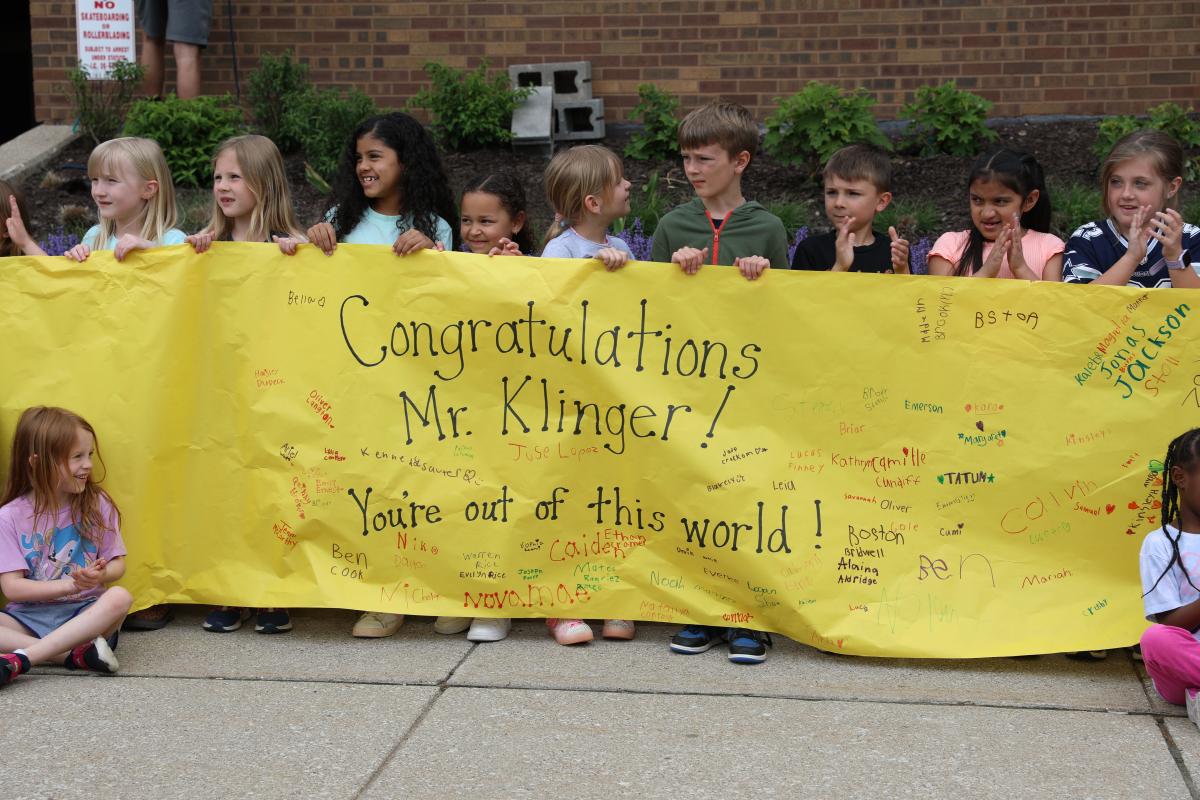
(13, 635)
(101, 618)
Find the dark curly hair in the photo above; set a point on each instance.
(508, 190)
(424, 188)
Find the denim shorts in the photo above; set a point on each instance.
(43, 618)
(184, 21)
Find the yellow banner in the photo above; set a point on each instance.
(877, 465)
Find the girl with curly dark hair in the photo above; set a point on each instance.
(390, 189)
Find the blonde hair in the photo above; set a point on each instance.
(262, 169)
(1161, 148)
(725, 124)
(574, 175)
(145, 159)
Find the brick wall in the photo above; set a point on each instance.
(1048, 57)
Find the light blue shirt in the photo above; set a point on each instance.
(570, 244)
(376, 228)
(172, 236)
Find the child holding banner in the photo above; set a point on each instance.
(858, 185)
(720, 226)
(15, 239)
(60, 548)
(1144, 240)
(251, 203)
(587, 189)
(390, 189)
(1169, 562)
(251, 198)
(494, 219)
(1010, 215)
(135, 199)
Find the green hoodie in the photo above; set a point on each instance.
(749, 230)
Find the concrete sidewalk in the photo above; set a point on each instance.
(316, 713)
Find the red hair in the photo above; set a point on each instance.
(41, 448)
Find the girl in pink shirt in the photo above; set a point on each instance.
(1010, 214)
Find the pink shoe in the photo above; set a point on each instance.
(618, 629)
(569, 631)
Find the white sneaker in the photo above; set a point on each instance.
(451, 625)
(377, 625)
(488, 629)
(1193, 705)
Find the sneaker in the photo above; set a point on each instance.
(1193, 708)
(273, 620)
(96, 656)
(618, 629)
(747, 646)
(12, 665)
(149, 619)
(377, 625)
(696, 639)
(570, 631)
(448, 626)
(225, 619)
(486, 629)
(1136, 652)
(1088, 655)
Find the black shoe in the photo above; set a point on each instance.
(696, 639)
(275, 620)
(225, 619)
(747, 646)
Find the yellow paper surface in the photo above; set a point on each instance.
(877, 465)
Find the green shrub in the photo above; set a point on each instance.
(273, 85)
(321, 120)
(946, 119)
(1073, 204)
(646, 203)
(794, 214)
(101, 106)
(659, 137)
(469, 109)
(810, 125)
(912, 216)
(1169, 118)
(188, 131)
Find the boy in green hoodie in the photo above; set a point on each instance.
(720, 226)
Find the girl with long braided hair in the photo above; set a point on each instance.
(1170, 567)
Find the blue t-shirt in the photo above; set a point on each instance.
(570, 244)
(1098, 245)
(172, 236)
(376, 228)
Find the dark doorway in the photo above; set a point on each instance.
(16, 54)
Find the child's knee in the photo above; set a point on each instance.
(119, 597)
(1156, 638)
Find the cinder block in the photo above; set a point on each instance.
(533, 120)
(571, 81)
(580, 120)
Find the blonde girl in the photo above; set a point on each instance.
(251, 199)
(1144, 240)
(586, 186)
(135, 199)
(60, 549)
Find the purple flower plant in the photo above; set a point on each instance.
(919, 255)
(801, 235)
(58, 243)
(639, 243)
